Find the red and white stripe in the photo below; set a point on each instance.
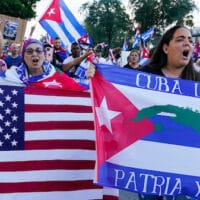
(59, 156)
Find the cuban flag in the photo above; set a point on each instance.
(47, 39)
(137, 38)
(148, 34)
(137, 41)
(196, 51)
(102, 44)
(147, 132)
(144, 57)
(111, 56)
(85, 41)
(125, 45)
(59, 21)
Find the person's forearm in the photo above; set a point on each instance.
(76, 61)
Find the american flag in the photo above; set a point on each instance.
(47, 144)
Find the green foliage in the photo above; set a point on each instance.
(107, 21)
(18, 8)
(161, 12)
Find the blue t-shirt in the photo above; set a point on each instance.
(13, 61)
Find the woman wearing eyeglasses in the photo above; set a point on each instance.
(36, 71)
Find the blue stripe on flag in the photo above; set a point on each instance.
(147, 181)
(55, 30)
(46, 24)
(69, 36)
(172, 132)
(124, 76)
(72, 19)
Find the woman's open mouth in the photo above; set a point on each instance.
(35, 60)
(185, 53)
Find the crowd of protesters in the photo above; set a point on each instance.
(73, 61)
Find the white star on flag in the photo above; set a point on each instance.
(8, 98)
(14, 92)
(7, 123)
(51, 12)
(105, 115)
(14, 130)
(14, 143)
(53, 83)
(14, 118)
(14, 105)
(7, 136)
(7, 111)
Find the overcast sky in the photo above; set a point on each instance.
(74, 6)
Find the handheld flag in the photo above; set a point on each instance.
(84, 41)
(125, 45)
(59, 21)
(102, 45)
(144, 36)
(137, 37)
(47, 145)
(111, 56)
(148, 34)
(196, 51)
(47, 39)
(144, 57)
(148, 138)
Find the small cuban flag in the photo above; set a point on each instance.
(137, 38)
(148, 34)
(125, 45)
(85, 41)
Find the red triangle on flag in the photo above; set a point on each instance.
(145, 52)
(119, 131)
(53, 12)
(83, 39)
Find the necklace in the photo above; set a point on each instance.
(171, 73)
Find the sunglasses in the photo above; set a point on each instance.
(31, 51)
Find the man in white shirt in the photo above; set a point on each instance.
(71, 63)
(98, 55)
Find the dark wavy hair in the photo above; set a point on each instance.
(159, 58)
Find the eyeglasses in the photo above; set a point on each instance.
(31, 51)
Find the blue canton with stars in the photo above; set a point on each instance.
(11, 118)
